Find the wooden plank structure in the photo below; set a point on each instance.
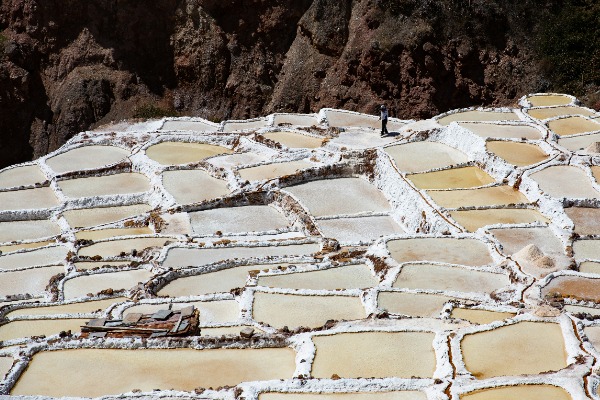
(163, 323)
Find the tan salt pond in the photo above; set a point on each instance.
(5, 366)
(565, 181)
(82, 285)
(374, 354)
(234, 160)
(522, 392)
(212, 282)
(344, 196)
(45, 256)
(576, 143)
(101, 234)
(548, 100)
(148, 369)
(198, 126)
(346, 119)
(503, 131)
(550, 112)
(422, 156)
(487, 196)
(270, 171)
(86, 157)
(413, 304)
(514, 239)
(295, 119)
(27, 230)
(184, 186)
(586, 249)
(82, 266)
(362, 229)
(404, 395)
(573, 126)
(293, 140)
(47, 327)
(227, 330)
(470, 252)
(466, 177)
(237, 220)
(480, 317)
(593, 334)
(580, 309)
(21, 176)
(28, 199)
(32, 281)
(73, 308)
(22, 246)
(578, 287)
(183, 257)
(596, 173)
(281, 310)
(508, 350)
(478, 116)
(347, 277)
(113, 248)
(211, 312)
(124, 183)
(437, 277)
(475, 219)
(519, 154)
(586, 220)
(589, 267)
(169, 153)
(244, 125)
(103, 215)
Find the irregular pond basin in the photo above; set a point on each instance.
(587, 220)
(86, 157)
(454, 178)
(470, 252)
(405, 395)
(124, 183)
(551, 112)
(73, 308)
(45, 256)
(39, 327)
(21, 176)
(293, 140)
(170, 153)
(32, 281)
(347, 277)
(503, 131)
(197, 126)
(548, 100)
(28, 199)
(270, 171)
(413, 304)
(82, 285)
(183, 185)
(361, 229)
(87, 217)
(27, 230)
(478, 116)
(113, 248)
(522, 392)
(518, 154)
(577, 287)
(423, 156)
(475, 219)
(573, 126)
(565, 181)
(480, 317)
(237, 220)
(211, 312)
(488, 196)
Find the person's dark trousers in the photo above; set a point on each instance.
(384, 130)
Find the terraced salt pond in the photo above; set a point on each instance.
(183, 186)
(82, 285)
(47, 327)
(169, 153)
(480, 317)
(27, 230)
(469, 252)
(422, 156)
(586, 220)
(565, 181)
(503, 131)
(113, 248)
(32, 281)
(577, 287)
(270, 171)
(475, 219)
(346, 277)
(413, 304)
(519, 154)
(551, 112)
(549, 100)
(103, 215)
(573, 126)
(488, 196)
(21, 176)
(101, 234)
(478, 116)
(294, 140)
(580, 142)
(362, 229)
(28, 199)
(186, 125)
(124, 183)
(86, 307)
(404, 395)
(466, 177)
(211, 312)
(86, 157)
(529, 392)
(237, 220)
(45, 256)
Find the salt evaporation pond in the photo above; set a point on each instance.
(101, 234)
(469, 252)
(587, 220)
(28, 199)
(466, 177)
(565, 181)
(270, 171)
(404, 395)
(82, 285)
(577, 287)
(361, 229)
(47, 327)
(503, 131)
(524, 392)
(27, 230)
(478, 116)
(32, 281)
(123, 183)
(169, 153)
(423, 156)
(481, 317)
(183, 185)
(86, 217)
(346, 277)
(413, 304)
(113, 248)
(237, 220)
(211, 312)
(294, 140)
(551, 112)
(21, 176)
(295, 119)
(45, 256)
(487, 196)
(85, 307)
(475, 219)
(549, 100)
(573, 126)
(86, 157)
(184, 125)
(516, 153)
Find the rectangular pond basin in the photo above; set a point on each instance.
(234, 160)
(481, 317)
(86, 157)
(488, 196)
(423, 156)
(227, 330)
(149, 369)
(478, 116)
(593, 334)
(32, 281)
(295, 140)
(345, 119)
(454, 178)
(28, 199)
(113, 248)
(39, 327)
(237, 220)
(503, 131)
(584, 249)
(211, 312)
(374, 354)
(236, 126)
(347, 277)
(362, 229)
(183, 185)
(470, 252)
(579, 143)
(565, 181)
(573, 126)
(21, 176)
(522, 392)
(590, 267)
(475, 219)
(82, 266)
(27, 230)
(518, 154)
(87, 217)
(281, 310)
(586, 220)
(404, 395)
(101, 234)
(44, 256)
(577, 287)
(551, 112)
(73, 308)
(22, 246)
(270, 171)
(124, 183)
(413, 304)
(82, 285)
(197, 126)
(548, 100)
(295, 119)
(170, 153)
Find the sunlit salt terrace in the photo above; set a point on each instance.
(304, 256)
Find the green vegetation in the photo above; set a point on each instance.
(150, 111)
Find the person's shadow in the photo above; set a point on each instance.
(391, 134)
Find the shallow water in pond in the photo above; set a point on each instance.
(180, 369)
(347, 277)
(270, 171)
(101, 234)
(244, 125)
(113, 248)
(515, 153)
(475, 219)
(170, 153)
(183, 186)
(44, 256)
(579, 287)
(577, 143)
(481, 317)
(103, 215)
(293, 140)
(586, 220)
(211, 312)
(507, 350)
(423, 156)
(565, 181)
(124, 183)
(455, 178)
(586, 249)
(21, 176)
(522, 392)
(413, 304)
(197, 126)
(28, 199)
(479, 116)
(438, 277)
(32, 281)
(374, 354)
(362, 229)
(503, 131)
(469, 252)
(74, 308)
(404, 395)
(237, 220)
(488, 196)
(548, 100)
(82, 285)
(86, 157)
(27, 230)
(573, 126)
(281, 310)
(544, 113)
(47, 327)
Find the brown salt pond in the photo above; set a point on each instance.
(374, 354)
(101, 234)
(281, 310)
(21, 176)
(221, 281)
(211, 312)
(480, 317)
(438, 277)
(124, 183)
(503, 131)
(549, 100)
(103, 215)
(475, 219)
(183, 185)
(362, 229)
(345, 196)
(578, 287)
(470, 252)
(565, 181)
(198, 126)
(73, 308)
(237, 220)
(45, 256)
(413, 304)
(586, 220)
(422, 156)
(478, 116)
(293, 140)
(404, 395)
(183, 257)
(169, 153)
(114, 248)
(508, 350)
(488, 196)
(455, 178)
(347, 277)
(28, 199)
(86, 157)
(576, 143)
(82, 285)
(522, 392)
(551, 112)
(270, 171)
(32, 281)
(38, 327)
(573, 126)
(518, 154)
(589, 249)
(27, 230)
(148, 369)
(231, 126)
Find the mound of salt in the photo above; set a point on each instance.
(593, 148)
(534, 261)
(529, 253)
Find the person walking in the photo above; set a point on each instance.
(383, 117)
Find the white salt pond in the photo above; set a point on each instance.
(565, 181)
(360, 138)
(113, 248)
(470, 252)
(124, 183)
(235, 126)
(27, 230)
(455, 178)
(197, 126)
(21, 176)
(32, 281)
(573, 126)
(87, 217)
(281, 310)
(509, 350)
(549, 100)
(374, 354)
(405, 395)
(580, 142)
(86, 157)
(422, 156)
(514, 239)
(361, 229)
(234, 160)
(82, 285)
(28, 199)
(344, 196)
(295, 119)
(586, 249)
(270, 171)
(237, 220)
(23, 246)
(347, 277)
(481, 317)
(413, 304)
(193, 186)
(45, 256)
(148, 369)
(294, 140)
(487, 196)
(345, 119)
(47, 327)
(503, 131)
(101, 234)
(593, 334)
(475, 219)
(478, 116)
(523, 392)
(227, 330)
(169, 153)
(211, 312)
(221, 281)
(85, 307)
(551, 112)
(515, 153)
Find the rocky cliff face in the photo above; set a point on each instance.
(70, 64)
